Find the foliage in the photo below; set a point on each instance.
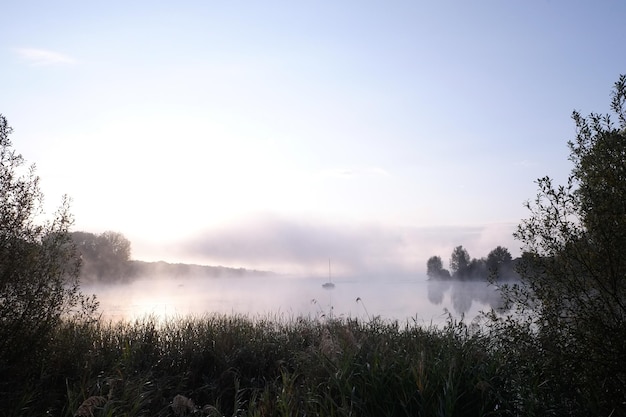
(476, 269)
(435, 269)
(498, 266)
(105, 257)
(499, 263)
(237, 366)
(574, 267)
(459, 261)
(38, 266)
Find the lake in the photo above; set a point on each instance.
(414, 299)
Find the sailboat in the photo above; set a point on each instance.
(329, 285)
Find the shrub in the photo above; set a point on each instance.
(38, 268)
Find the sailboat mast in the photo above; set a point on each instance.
(329, 285)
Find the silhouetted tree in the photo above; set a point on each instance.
(574, 268)
(459, 262)
(435, 269)
(499, 263)
(477, 269)
(105, 256)
(38, 267)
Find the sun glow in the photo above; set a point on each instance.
(153, 307)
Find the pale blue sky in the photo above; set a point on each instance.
(279, 134)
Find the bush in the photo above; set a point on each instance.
(574, 270)
(38, 269)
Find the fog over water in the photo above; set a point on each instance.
(401, 298)
(302, 247)
(382, 267)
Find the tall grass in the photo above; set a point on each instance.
(267, 366)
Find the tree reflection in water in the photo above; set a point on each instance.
(463, 293)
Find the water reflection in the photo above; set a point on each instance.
(464, 293)
(401, 298)
(437, 289)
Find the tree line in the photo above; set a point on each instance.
(104, 256)
(498, 265)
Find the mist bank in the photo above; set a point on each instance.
(295, 246)
(105, 258)
(304, 246)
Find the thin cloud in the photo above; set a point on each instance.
(44, 58)
(291, 245)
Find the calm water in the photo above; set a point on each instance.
(402, 298)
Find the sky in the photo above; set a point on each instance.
(279, 134)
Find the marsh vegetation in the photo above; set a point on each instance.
(233, 365)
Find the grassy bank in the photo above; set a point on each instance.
(235, 365)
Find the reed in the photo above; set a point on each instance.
(235, 365)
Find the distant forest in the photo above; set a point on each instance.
(499, 265)
(105, 258)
